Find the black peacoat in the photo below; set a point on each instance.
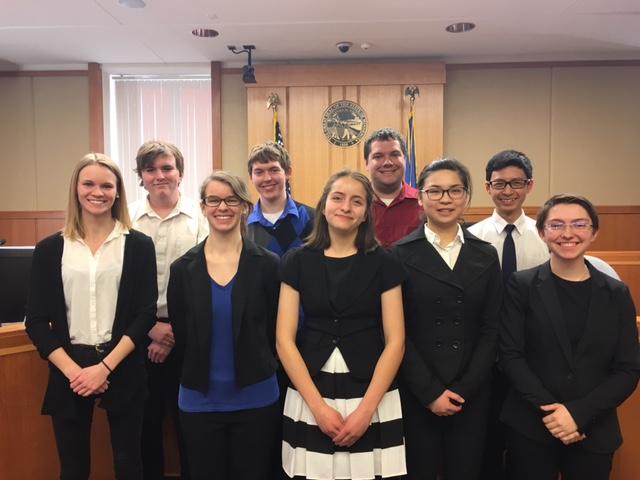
(451, 316)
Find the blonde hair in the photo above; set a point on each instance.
(73, 227)
(239, 189)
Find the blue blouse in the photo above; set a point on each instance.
(223, 394)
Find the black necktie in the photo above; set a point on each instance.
(508, 254)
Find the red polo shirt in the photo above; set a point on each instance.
(400, 218)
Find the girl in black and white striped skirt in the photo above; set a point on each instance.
(342, 416)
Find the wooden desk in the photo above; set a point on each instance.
(27, 445)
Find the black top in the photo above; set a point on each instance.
(339, 271)
(591, 380)
(355, 325)
(574, 299)
(48, 329)
(451, 317)
(254, 301)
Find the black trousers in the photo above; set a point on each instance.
(73, 434)
(494, 465)
(232, 445)
(452, 445)
(162, 401)
(73, 438)
(530, 460)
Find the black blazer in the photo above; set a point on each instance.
(536, 355)
(254, 302)
(357, 328)
(451, 316)
(48, 329)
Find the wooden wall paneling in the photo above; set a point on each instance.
(619, 228)
(350, 74)
(48, 226)
(431, 141)
(28, 228)
(384, 107)
(337, 155)
(619, 225)
(353, 156)
(627, 264)
(18, 231)
(306, 142)
(626, 464)
(378, 88)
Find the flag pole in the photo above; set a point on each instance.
(412, 92)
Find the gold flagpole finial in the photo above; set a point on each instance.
(273, 100)
(412, 91)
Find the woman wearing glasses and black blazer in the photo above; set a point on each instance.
(452, 303)
(222, 299)
(569, 348)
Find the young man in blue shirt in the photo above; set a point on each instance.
(277, 222)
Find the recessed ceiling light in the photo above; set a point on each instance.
(204, 32)
(460, 27)
(132, 3)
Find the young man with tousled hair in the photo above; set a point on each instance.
(277, 222)
(175, 224)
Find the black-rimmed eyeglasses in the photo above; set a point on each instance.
(436, 193)
(517, 184)
(216, 201)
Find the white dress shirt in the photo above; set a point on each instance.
(90, 283)
(531, 251)
(172, 236)
(449, 253)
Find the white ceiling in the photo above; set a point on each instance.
(59, 33)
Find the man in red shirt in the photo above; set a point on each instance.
(395, 208)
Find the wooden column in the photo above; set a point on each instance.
(216, 114)
(96, 116)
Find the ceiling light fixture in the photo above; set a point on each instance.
(248, 75)
(204, 32)
(132, 3)
(460, 27)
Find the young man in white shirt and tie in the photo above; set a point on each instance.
(176, 224)
(509, 179)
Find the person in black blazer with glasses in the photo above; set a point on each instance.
(452, 303)
(569, 347)
(223, 300)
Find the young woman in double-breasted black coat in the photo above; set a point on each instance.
(452, 302)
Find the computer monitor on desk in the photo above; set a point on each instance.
(15, 276)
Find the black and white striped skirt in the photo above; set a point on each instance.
(309, 453)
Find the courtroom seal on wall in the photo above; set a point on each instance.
(344, 123)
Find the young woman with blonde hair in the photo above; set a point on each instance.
(92, 302)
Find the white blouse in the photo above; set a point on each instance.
(449, 253)
(91, 284)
